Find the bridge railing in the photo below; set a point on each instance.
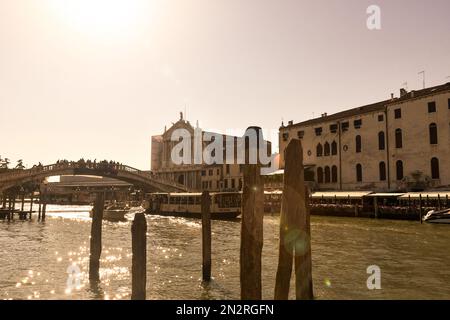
(112, 167)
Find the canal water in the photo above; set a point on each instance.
(35, 258)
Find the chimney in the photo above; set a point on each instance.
(392, 96)
(412, 94)
(403, 92)
(290, 123)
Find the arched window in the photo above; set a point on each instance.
(358, 143)
(382, 167)
(319, 175)
(334, 148)
(398, 139)
(319, 150)
(359, 172)
(399, 167)
(334, 174)
(327, 174)
(433, 133)
(381, 141)
(435, 168)
(326, 148)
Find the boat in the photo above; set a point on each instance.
(114, 212)
(438, 216)
(224, 205)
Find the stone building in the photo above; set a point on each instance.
(398, 144)
(197, 177)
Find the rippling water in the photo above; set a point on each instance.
(34, 258)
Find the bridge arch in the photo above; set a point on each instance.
(142, 179)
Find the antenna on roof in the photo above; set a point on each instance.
(423, 74)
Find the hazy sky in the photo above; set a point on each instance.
(98, 78)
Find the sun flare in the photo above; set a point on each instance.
(102, 17)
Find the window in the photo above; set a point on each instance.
(233, 184)
(226, 183)
(357, 123)
(433, 133)
(359, 172)
(431, 107)
(203, 173)
(210, 172)
(399, 168)
(344, 126)
(333, 128)
(380, 118)
(397, 113)
(382, 168)
(218, 172)
(227, 168)
(326, 151)
(334, 148)
(398, 139)
(318, 131)
(448, 104)
(319, 175)
(300, 134)
(327, 174)
(319, 150)
(435, 168)
(285, 136)
(358, 144)
(334, 174)
(381, 141)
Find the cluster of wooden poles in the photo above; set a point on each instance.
(294, 246)
(9, 206)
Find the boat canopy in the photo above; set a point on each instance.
(424, 195)
(386, 194)
(340, 194)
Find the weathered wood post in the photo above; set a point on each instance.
(420, 209)
(295, 230)
(206, 236)
(31, 203)
(23, 202)
(40, 207)
(10, 208)
(251, 225)
(375, 206)
(96, 237)
(439, 201)
(13, 205)
(5, 199)
(139, 260)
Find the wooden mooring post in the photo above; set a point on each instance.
(295, 230)
(251, 233)
(139, 260)
(420, 209)
(206, 236)
(96, 238)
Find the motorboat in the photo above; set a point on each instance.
(438, 216)
(114, 212)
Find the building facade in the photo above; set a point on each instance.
(398, 144)
(197, 177)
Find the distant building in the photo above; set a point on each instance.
(400, 143)
(197, 177)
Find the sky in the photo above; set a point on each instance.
(97, 78)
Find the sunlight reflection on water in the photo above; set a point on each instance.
(35, 256)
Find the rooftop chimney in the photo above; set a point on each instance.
(392, 96)
(403, 92)
(291, 122)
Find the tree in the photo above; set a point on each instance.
(4, 163)
(20, 165)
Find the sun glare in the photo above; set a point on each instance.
(102, 17)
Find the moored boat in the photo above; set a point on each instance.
(224, 205)
(438, 216)
(114, 212)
